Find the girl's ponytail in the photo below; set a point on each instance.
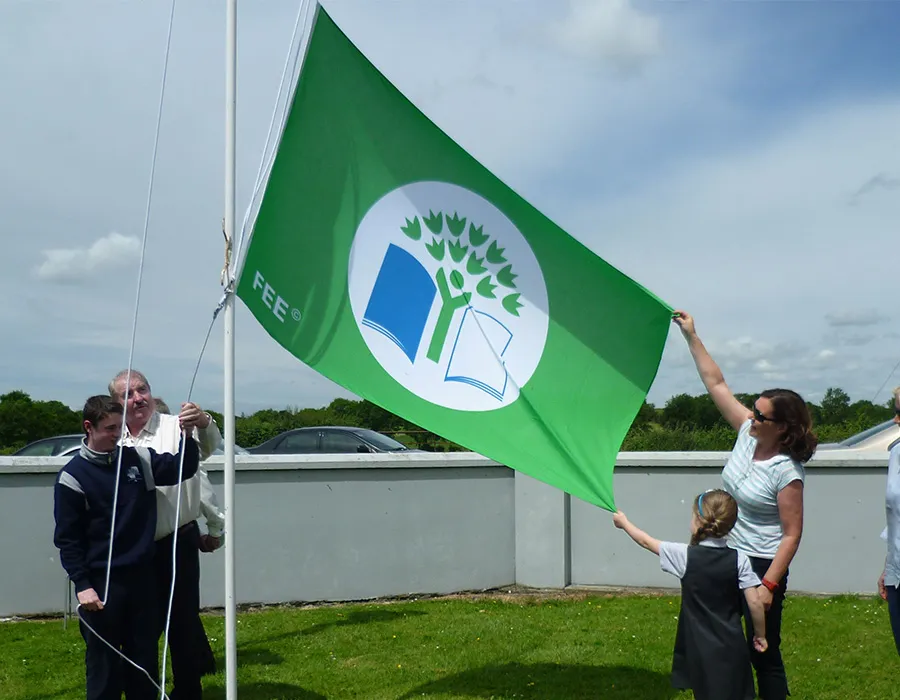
(716, 512)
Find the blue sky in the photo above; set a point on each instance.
(784, 60)
(803, 55)
(710, 150)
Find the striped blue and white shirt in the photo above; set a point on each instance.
(755, 485)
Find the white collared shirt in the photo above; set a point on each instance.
(892, 514)
(673, 560)
(163, 434)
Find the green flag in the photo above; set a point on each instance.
(389, 260)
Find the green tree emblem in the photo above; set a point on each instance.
(469, 266)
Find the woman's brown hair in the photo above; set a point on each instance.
(799, 441)
(717, 513)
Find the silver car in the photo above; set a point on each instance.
(876, 439)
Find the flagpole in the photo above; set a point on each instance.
(230, 182)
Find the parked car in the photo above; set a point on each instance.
(57, 446)
(878, 438)
(238, 450)
(68, 445)
(329, 440)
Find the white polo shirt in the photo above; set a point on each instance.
(892, 512)
(163, 434)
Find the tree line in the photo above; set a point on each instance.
(689, 423)
(684, 423)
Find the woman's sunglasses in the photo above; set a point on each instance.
(760, 418)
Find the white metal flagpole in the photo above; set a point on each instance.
(230, 181)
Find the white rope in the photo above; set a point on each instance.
(137, 303)
(137, 300)
(129, 661)
(162, 677)
(886, 380)
(162, 684)
(185, 438)
(268, 156)
(262, 174)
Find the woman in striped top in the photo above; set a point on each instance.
(764, 474)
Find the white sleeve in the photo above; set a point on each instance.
(209, 505)
(746, 576)
(673, 558)
(208, 439)
(789, 471)
(743, 435)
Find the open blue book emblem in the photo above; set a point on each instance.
(399, 308)
(401, 300)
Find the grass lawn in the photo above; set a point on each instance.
(570, 646)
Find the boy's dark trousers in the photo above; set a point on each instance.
(128, 623)
(192, 656)
(771, 679)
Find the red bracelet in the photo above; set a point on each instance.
(768, 584)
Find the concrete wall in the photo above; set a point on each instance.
(361, 526)
(841, 550)
(348, 533)
(322, 528)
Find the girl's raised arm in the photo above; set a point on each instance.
(635, 533)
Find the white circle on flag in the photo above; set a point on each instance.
(448, 296)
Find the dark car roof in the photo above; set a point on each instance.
(366, 435)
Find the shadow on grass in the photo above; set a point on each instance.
(551, 682)
(355, 617)
(253, 656)
(362, 617)
(264, 691)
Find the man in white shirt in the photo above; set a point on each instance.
(192, 656)
(889, 581)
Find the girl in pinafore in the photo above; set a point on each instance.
(711, 655)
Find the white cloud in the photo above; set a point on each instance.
(826, 354)
(768, 371)
(609, 30)
(764, 366)
(76, 265)
(746, 352)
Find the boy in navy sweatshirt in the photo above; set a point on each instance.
(83, 508)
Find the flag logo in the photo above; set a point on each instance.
(448, 296)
